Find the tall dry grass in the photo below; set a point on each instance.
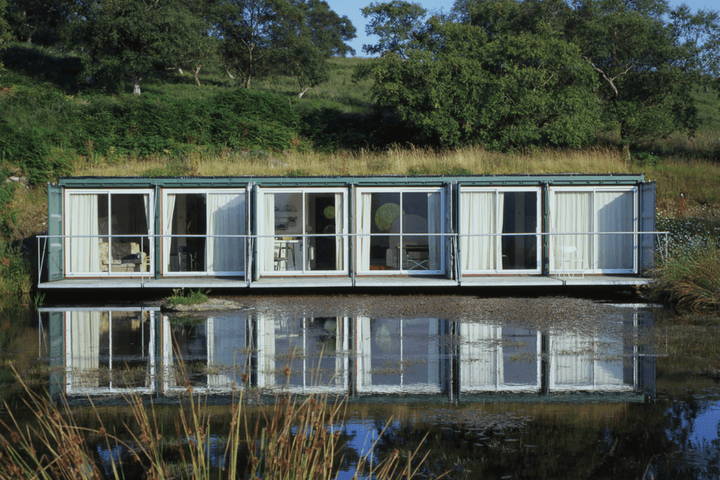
(697, 180)
(690, 278)
(296, 438)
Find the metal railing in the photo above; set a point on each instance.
(64, 247)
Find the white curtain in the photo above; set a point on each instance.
(168, 213)
(339, 240)
(571, 213)
(478, 357)
(477, 215)
(363, 241)
(614, 213)
(226, 216)
(267, 244)
(571, 360)
(433, 226)
(83, 220)
(226, 344)
(84, 340)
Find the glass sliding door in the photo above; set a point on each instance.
(203, 232)
(499, 230)
(301, 231)
(109, 233)
(399, 231)
(595, 227)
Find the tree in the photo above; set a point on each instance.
(191, 46)
(246, 27)
(131, 40)
(647, 75)
(4, 27)
(38, 20)
(457, 86)
(394, 23)
(291, 37)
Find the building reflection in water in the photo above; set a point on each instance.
(106, 351)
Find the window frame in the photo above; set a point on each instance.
(165, 242)
(304, 272)
(594, 244)
(109, 192)
(443, 230)
(538, 228)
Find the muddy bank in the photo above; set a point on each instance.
(544, 312)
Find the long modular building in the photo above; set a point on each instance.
(374, 231)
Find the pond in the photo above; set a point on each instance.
(513, 387)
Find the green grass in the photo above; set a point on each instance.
(183, 296)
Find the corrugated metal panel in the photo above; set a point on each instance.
(210, 182)
(55, 227)
(647, 224)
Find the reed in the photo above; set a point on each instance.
(295, 438)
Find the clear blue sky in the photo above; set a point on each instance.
(351, 8)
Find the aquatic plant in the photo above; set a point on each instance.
(295, 438)
(182, 296)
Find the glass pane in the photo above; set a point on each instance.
(384, 253)
(187, 254)
(129, 216)
(614, 213)
(287, 254)
(519, 215)
(323, 215)
(421, 212)
(87, 219)
(385, 213)
(130, 350)
(417, 254)
(288, 213)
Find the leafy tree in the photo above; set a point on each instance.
(647, 75)
(247, 29)
(458, 86)
(292, 37)
(191, 46)
(394, 23)
(131, 40)
(39, 20)
(4, 27)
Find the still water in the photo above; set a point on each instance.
(513, 388)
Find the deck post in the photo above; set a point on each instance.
(352, 241)
(545, 228)
(248, 241)
(157, 241)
